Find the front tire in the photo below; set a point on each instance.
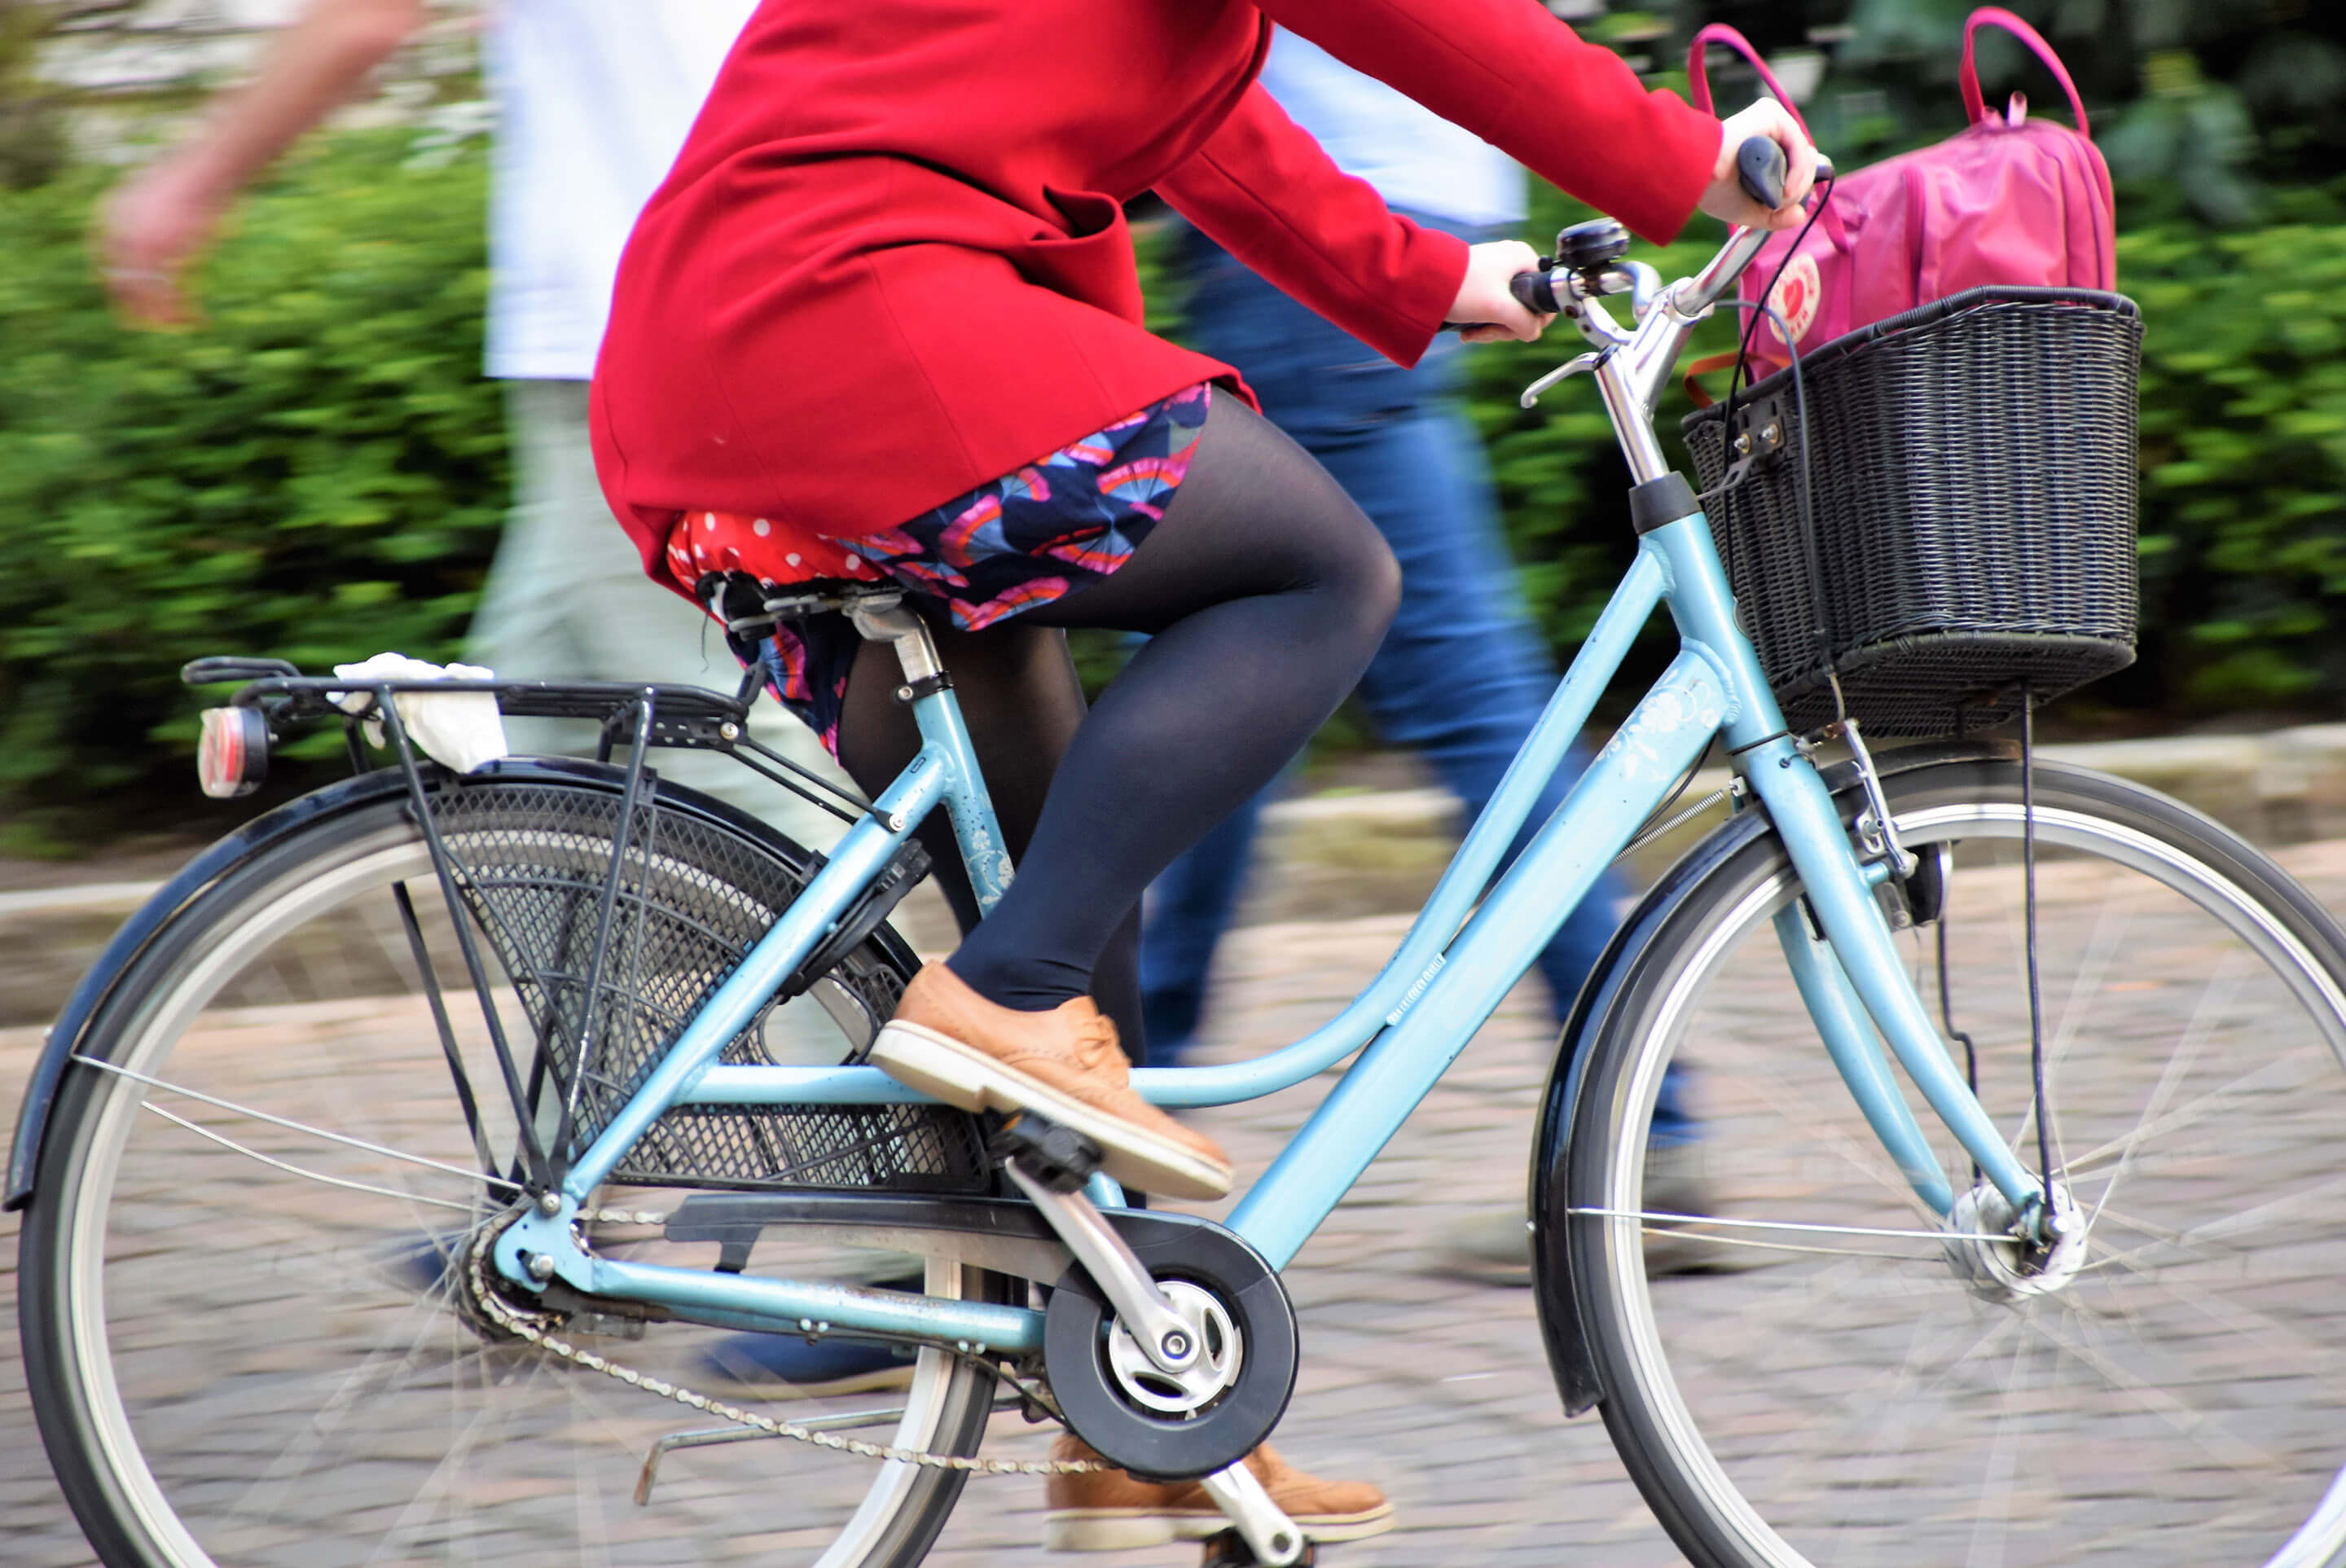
(1861, 1399)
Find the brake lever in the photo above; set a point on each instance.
(1588, 362)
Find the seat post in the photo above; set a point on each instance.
(888, 621)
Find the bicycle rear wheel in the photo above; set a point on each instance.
(244, 1342)
(1866, 1399)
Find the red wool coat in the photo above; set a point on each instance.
(890, 262)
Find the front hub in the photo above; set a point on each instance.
(2014, 1264)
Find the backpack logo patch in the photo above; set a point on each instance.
(1797, 297)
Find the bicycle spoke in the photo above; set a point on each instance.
(2218, 1445)
(2179, 1063)
(2002, 1469)
(306, 1448)
(438, 1486)
(2247, 1222)
(319, 1177)
(1927, 1346)
(2099, 955)
(1863, 1158)
(1885, 1448)
(2284, 1345)
(1803, 1227)
(2283, 1073)
(319, 1133)
(593, 1527)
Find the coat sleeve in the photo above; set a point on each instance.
(1264, 191)
(1572, 113)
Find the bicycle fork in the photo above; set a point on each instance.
(1857, 990)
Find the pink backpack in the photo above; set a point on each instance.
(2008, 200)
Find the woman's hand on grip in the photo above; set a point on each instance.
(1725, 196)
(1485, 308)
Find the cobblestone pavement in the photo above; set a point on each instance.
(1435, 1387)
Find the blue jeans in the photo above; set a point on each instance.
(1461, 678)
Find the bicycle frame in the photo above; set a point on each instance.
(1467, 948)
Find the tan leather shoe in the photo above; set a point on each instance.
(1108, 1511)
(949, 1042)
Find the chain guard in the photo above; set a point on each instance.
(1151, 1444)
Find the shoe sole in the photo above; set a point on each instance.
(1125, 1528)
(959, 1074)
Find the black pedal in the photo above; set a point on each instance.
(1228, 1550)
(1059, 1158)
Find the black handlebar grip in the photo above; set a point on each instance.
(1759, 168)
(1533, 292)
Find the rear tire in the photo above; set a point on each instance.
(232, 1365)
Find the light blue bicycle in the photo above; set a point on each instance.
(353, 1234)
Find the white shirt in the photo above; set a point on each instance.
(1418, 161)
(593, 98)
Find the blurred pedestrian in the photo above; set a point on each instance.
(592, 99)
(1462, 676)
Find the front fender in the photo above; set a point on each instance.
(1559, 1307)
(140, 931)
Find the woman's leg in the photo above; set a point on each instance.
(1021, 699)
(1265, 592)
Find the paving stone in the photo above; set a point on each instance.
(1435, 1388)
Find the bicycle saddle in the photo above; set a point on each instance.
(747, 606)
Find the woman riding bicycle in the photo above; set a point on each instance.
(882, 323)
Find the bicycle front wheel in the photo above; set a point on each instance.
(1833, 1379)
(243, 1288)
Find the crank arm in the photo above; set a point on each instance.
(1163, 1335)
(1274, 1538)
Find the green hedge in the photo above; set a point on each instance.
(2244, 467)
(319, 473)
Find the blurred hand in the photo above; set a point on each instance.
(150, 227)
(1724, 198)
(1482, 296)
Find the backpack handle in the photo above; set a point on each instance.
(1698, 79)
(1996, 15)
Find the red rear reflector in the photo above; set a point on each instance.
(233, 757)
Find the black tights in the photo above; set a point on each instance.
(1265, 592)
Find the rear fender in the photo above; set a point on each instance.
(1559, 1307)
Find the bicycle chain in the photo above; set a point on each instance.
(517, 1322)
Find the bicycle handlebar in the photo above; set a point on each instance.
(1759, 168)
(1631, 363)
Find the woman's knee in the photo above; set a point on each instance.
(1355, 569)
(1380, 595)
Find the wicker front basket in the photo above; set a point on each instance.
(1972, 465)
